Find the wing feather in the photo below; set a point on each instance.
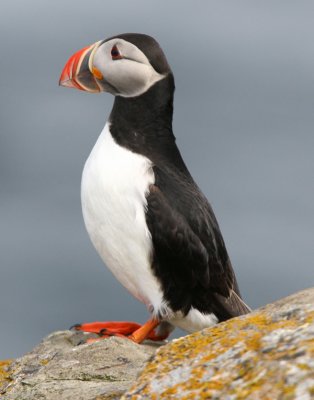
(190, 257)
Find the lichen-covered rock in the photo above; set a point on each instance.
(59, 369)
(266, 355)
(4, 374)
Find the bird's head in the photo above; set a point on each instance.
(126, 65)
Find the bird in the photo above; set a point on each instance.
(148, 220)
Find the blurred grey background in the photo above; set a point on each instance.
(244, 121)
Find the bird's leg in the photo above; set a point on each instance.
(130, 330)
(146, 331)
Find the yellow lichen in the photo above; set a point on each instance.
(45, 361)
(254, 370)
(4, 374)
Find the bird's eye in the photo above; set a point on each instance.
(115, 53)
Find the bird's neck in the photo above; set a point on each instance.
(144, 122)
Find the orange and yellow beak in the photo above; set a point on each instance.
(79, 72)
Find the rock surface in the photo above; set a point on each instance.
(266, 355)
(60, 369)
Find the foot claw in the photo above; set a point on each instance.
(75, 327)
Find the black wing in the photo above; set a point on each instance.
(190, 258)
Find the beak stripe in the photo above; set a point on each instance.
(91, 57)
(78, 60)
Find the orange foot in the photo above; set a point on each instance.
(130, 330)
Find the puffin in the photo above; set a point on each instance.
(148, 220)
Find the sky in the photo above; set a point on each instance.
(244, 122)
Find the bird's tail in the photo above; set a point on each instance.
(230, 307)
(243, 308)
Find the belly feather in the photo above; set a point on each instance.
(115, 183)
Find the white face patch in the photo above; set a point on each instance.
(130, 76)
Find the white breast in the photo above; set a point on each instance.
(115, 182)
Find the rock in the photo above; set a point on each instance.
(267, 355)
(4, 374)
(60, 369)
